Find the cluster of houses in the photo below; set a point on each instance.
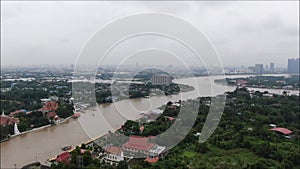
(48, 109)
(135, 146)
(10, 119)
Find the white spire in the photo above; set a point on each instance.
(16, 130)
(2, 113)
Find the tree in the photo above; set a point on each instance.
(122, 165)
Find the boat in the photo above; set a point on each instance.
(66, 148)
(75, 115)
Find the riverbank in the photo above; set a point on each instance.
(36, 129)
(50, 159)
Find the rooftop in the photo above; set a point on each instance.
(114, 150)
(63, 157)
(140, 143)
(282, 130)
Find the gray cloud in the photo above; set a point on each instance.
(242, 32)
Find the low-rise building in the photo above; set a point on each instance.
(284, 131)
(63, 157)
(49, 106)
(138, 144)
(7, 120)
(114, 154)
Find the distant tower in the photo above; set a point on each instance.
(259, 68)
(272, 67)
(16, 130)
(293, 66)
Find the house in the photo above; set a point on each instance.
(284, 131)
(51, 114)
(6, 120)
(63, 157)
(170, 118)
(114, 154)
(11, 114)
(49, 106)
(139, 144)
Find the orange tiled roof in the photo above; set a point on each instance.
(152, 160)
(138, 142)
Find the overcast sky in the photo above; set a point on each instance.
(243, 33)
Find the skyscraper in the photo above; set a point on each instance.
(259, 68)
(293, 66)
(272, 67)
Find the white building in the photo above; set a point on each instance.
(114, 154)
(156, 151)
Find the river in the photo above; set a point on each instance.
(47, 142)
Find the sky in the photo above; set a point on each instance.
(242, 33)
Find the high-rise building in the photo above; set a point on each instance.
(161, 80)
(259, 68)
(293, 66)
(272, 67)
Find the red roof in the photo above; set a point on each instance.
(16, 112)
(14, 120)
(64, 157)
(138, 142)
(282, 130)
(8, 120)
(170, 118)
(82, 151)
(51, 114)
(114, 150)
(4, 120)
(49, 106)
(151, 160)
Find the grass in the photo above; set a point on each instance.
(189, 154)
